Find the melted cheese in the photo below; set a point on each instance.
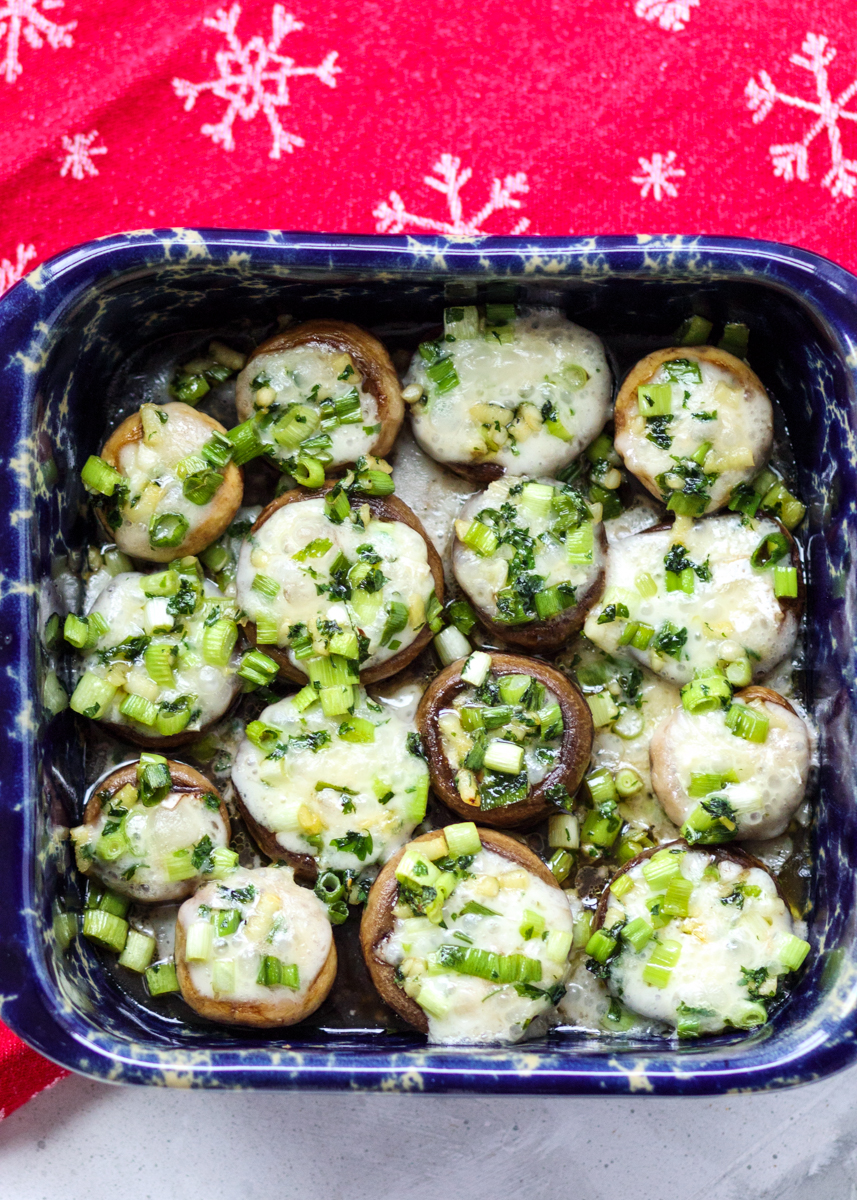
(483, 576)
(124, 606)
(717, 940)
(772, 775)
(179, 822)
(735, 611)
(739, 430)
(530, 368)
(480, 1011)
(271, 550)
(281, 919)
(282, 792)
(294, 374)
(154, 488)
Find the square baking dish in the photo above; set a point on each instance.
(66, 331)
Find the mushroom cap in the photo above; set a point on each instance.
(378, 920)
(384, 508)
(574, 752)
(370, 357)
(626, 412)
(223, 505)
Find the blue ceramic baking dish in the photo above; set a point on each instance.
(67, 331)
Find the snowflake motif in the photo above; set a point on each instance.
(78, 158)
(12, 272)
(791, 159)
(245, 73)
(656, 176)
(449, 179)
(669, 14)
(19, 17)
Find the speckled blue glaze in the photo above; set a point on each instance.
(64, 332)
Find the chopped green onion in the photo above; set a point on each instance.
(397, 620)
(480, 538)
(627, 782)
(687, 504)
(462, 839)
(708, 690)
(295, 426)
(54, 695)
(76, 631)
(703, 785)
(547, 603)
(710, 823)
(660, 869)
(747, 723)
(677, 897)
(335, 671)
(601, 786)
(265, 586)
(503, 756)
(558, 945)
(769, 551)
(693, 331)
(305, 698)
(443, 375)
(218, 450)
(98, 476)
(603, 708)
(532, 926)
(308, 472)
(658, 969)
(246, 443)
(153, 779)
(218, 642)
(167, 530)
(646, 585)
(785, 582)
(451, 645)
(337, 700)
(105, 928)
(550, 721)
(92, 697)
(264, 737)
(375, 483)
(161, 979)
(257, 668)
(163, 583)
(138, 952)
(486, 964)
(476, 669)
(744, 499)
(601, 827)
(461, 323)
(739, 673)
(563, 832)
(560, 864)
(225, 861)
(159, 658)
(357, 729)
(621, 886)
(345, 644)
(643, 635)
(580, 544)
(200, 487)
(638, 932)
(199, 941)
(700, 453)
(655, 400)
(138, 708)
(273, 972)
(190, 389)
(791, 951)
(537, 499)
(513, 688)
(174, 715)
(600, 946)
(336, 506)
(735, 339)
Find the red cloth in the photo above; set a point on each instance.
(601, 116)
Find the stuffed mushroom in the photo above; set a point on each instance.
(692, 425)
(164, 484)
(333, 591)
(698, 939)
(507, 392)
(330, 793)
(507, 737)
(731, 769)
(255, 949)
(466, 935)
(530, 555)
(725, 592)
(160, 661)
(319, 396)
(153, 830)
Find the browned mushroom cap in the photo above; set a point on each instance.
(551, 633)
(286, 1009)
(305, 866)
(378, 920)
(183, 779)
(369, 357)
(383, 508)
(221, 509)
(574, 751)
(720, 853)
(627, 408)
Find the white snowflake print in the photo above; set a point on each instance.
(657, 174)
(27, 18)
(254, 78)
(12, 272)
(449, 179)
(78, 155)
(791, 159)
(669, 14)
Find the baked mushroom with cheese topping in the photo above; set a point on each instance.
(330, 793)
(692, 425)
(164, 485)
(735, 768)
(502, 391)
(466, 935)
(255, 948)
(725, 592)
(699, 939)
(332, 591)
(159, 656)
(317, 397)
(506, 737)
(530, 555)
(153, 830)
